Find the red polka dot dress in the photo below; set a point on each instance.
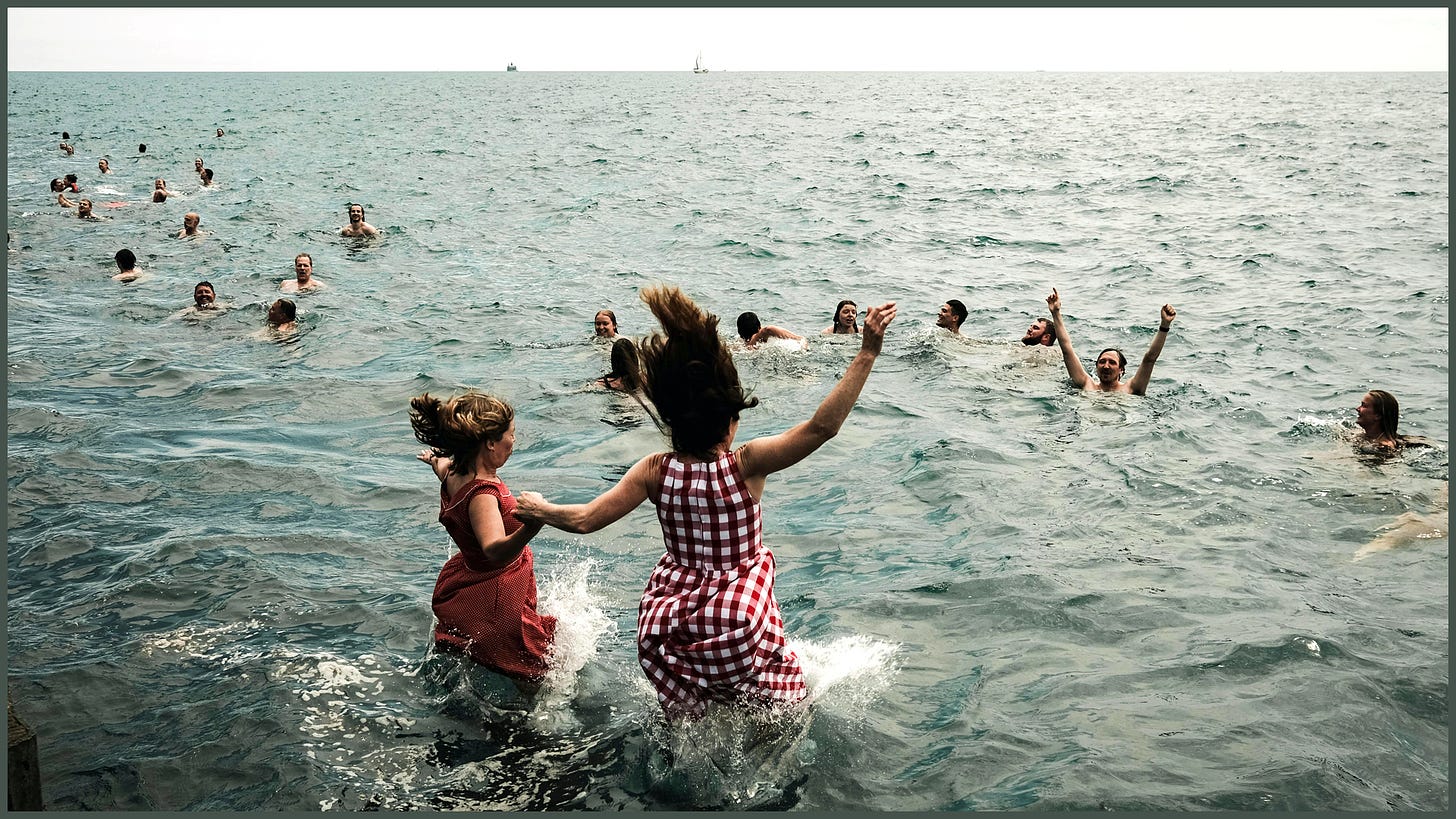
(709, 628)
(489, 614)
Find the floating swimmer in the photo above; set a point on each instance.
(951, 316)
(708, 626)
(1378, 417)
(303, 279)
(753, 332)
(1410, 527)
(604, 324)
(357, 226)
(844, 320)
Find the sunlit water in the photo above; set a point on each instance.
(1007, 595)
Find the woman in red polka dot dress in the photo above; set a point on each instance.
(485, 597)
(708, 627)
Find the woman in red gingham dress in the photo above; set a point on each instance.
(485, 597)
(708, 627)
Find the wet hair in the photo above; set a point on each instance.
(71, 178)
(626, 364)
(689, 375)
(1389, 410)
(58, 185)
(304, 256)
(206, 284)
(125, 259)
(207, 174)
(609, 314)
(748, 324)
(1046, 331)
(65, 134)
(142, 148)
(958, 310)
(458, 427)
(353, 205)
(284, 306)
(1121, 359)
(854, 322)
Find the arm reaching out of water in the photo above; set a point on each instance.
(1069, 357)
(1139, 383)
(762, 456)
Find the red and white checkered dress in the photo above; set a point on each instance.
(709, 628)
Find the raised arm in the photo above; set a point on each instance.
(606, 509)
(1075, 369)
(500, 549)
(769, 454)
(1144, 374)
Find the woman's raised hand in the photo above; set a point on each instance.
(876, 320)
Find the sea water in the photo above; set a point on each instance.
(1007, 594)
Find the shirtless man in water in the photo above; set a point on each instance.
(303, 279)
(357, 226)
(1110, 362)
(1040, 333)
(190, 224)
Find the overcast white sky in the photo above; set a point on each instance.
(815, 39)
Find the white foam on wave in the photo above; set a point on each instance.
(581, 623)
(867, 663)
(197, 641)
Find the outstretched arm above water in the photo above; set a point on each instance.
(604, 510)
(1069, 356)
(1139, 383)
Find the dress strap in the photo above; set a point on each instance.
(467, 492)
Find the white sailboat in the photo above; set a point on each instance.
(698, 65)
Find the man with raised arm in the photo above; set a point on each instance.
(1111, 363)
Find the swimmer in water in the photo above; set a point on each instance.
(126, 263)
(58, 187)
(160, 192)
(103, 165)
(844, 321)
(190, 223)
(605, 324)
(753, 332)
(1040, 333)
(1378, 417)
(283, 315)
(1110, 362)
(83, 210)
(951, 316)
(357, 226)
(303, 279)
(626, 372)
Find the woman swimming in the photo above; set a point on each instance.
(845, 322)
